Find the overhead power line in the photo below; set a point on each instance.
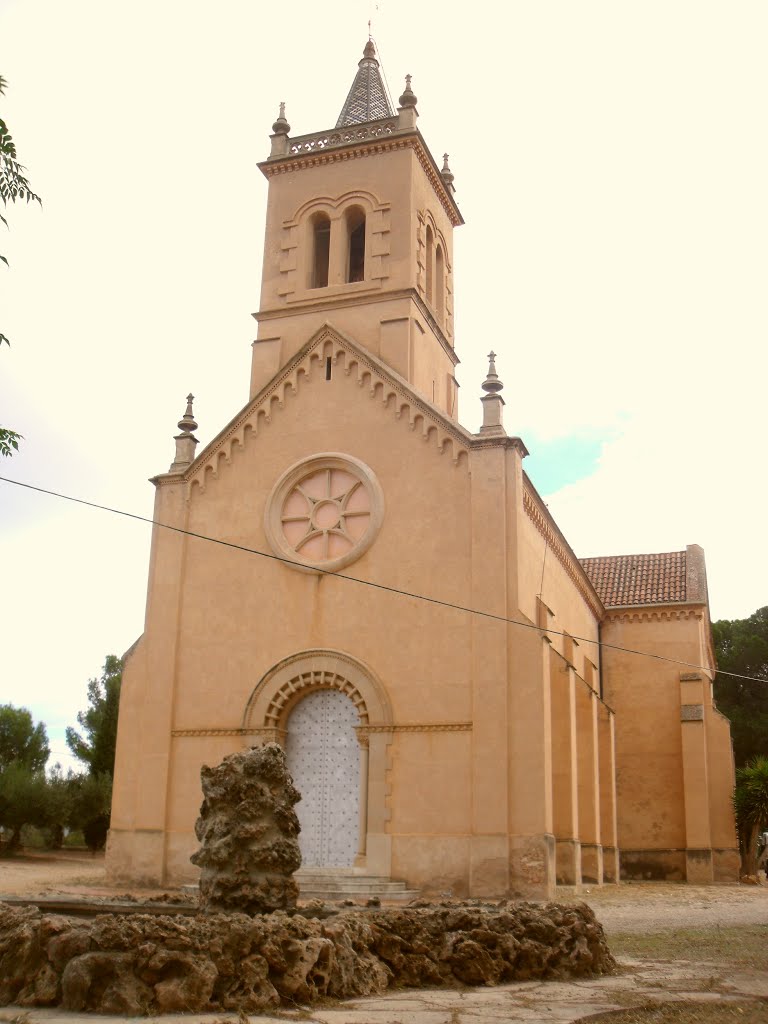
(372, 584)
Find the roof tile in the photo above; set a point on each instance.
(622, 580)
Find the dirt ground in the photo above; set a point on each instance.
(629, 907)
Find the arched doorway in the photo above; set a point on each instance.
(268, 717)
(324, 759)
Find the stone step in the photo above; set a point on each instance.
(346, 884)
(399, 896)
(353, 890)
(349, 883)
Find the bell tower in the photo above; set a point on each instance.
(359, 231)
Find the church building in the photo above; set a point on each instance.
(349, 571)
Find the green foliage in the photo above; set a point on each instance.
(21, 741)
(741, 646)
(750, 802)
(74, 840)
(91, 800)
(23, 800)
(9, 439)
(13, 182)
(14, 187)
(36, 810)
(99, 722)
(60, 803)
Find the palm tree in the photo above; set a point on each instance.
(750, 802)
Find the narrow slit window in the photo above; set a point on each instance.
(321, 251)
(430, 261)
(327, 367)
(439, 283)
(356, 236)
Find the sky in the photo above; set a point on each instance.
(610, 161)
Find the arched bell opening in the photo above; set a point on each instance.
(320, 237)
(355, 223)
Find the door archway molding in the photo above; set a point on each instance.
(286, 683)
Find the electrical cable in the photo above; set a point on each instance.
(372, 584)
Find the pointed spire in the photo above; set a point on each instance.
(493, 403)
(367, 99)
(186, 442)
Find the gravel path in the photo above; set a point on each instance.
(652, 906)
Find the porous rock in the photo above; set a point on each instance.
(146, 964)
(247, 831)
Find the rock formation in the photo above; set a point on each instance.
(140, 964)
(247, 830)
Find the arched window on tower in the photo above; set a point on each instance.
(355, 218)
(430, 261)
(439, 283)
(321, 250)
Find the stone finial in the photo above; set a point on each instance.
(446, 173)
(186, 442)
(281, 126)
(492, 383)
(493, 403)
(279, 136)
(369, 53)
(187, 421)
(408, 99)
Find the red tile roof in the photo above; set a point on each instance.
(622, 580)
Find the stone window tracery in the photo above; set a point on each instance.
(324, 512)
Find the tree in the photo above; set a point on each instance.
(90, 801)
(14, 187)
(741, 646)
(99, 722)
(60, 797)
(21, 741)
(24, 800)
(750, 802)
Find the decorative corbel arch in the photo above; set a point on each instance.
(321, 669)
(333, 204)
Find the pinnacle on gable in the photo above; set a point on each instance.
(281, 126)
(186, 442)
(408, 99)
(367, 99)
(493, 403)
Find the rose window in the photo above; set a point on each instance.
(324, 512)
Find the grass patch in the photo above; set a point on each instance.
(74, 841)
(743, 946)
(754, 1011)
